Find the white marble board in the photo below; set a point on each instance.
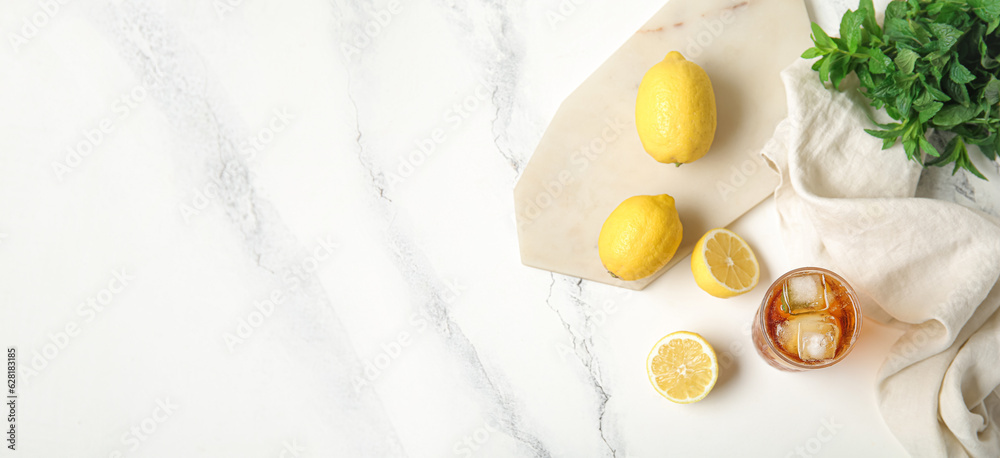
(590, 159)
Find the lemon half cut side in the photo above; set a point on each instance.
(723, 264)
(682, 367)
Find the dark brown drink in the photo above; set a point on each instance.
(809, 319)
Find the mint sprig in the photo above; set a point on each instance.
(933, 64)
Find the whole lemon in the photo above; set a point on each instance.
(675, 111)
(640, 236)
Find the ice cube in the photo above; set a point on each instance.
(805, 293)
(788, 337)
(818, 336)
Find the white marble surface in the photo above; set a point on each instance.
(218, 240)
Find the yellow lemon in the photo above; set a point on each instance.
(682, 367)
(723, 264)
(675, 111)
(640, 236)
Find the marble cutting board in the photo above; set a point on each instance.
(590, 158)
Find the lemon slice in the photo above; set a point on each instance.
(723, 264)
(682, 367)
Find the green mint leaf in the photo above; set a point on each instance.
(905, 60)
(987, 10)
(820, 37)
(892, 126)
(952, 12)
(864, 76)
(903, 103)
(924, 36)
(838, 69)
(824, 68)
(928, 112)
(850, 29)
(928, 148)
(990, 148)
(951, 152)
(974, 134)
(972, 168)
(947, 36)
(867, 11)
(953, 115)
(841, 44)
(991, 92)
(900, 30)
(935, 8)
(922, 100)
(936, 69)
(958, 92)
(878, 62)
(937, 93)
(895, 10)
(987, 61)
(883, 134)
(910, 146)
(959, 74)
(964, 162)
(811, 53)
(885, 89)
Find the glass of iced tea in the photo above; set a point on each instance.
(809, 319)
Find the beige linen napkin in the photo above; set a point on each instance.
(928, 266)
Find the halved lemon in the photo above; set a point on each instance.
(682, 367)
(723, 264)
